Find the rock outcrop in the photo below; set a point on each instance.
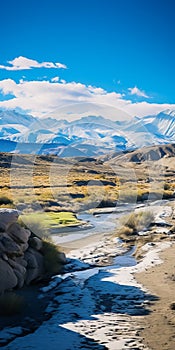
(21, 255)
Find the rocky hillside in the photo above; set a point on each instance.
(151, 153)
(22, 257)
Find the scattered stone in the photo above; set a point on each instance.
(172, 306)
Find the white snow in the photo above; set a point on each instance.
(91, 136)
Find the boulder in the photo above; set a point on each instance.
(7, 217)
(35, 243)
(4, 257)
(8, 277)
(35, 265)
(24, 247)
(62, 258)
(18, 233)
(20, 272)
(8, 246)
(21, 253)
(20, 260)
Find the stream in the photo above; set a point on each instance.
(92, 306)
(100, 223)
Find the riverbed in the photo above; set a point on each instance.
(98, 307)
(101, 221)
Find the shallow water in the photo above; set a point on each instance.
(102, 223)
(126, 259)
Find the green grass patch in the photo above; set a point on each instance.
(43, 223)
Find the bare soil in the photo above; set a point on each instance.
(159, 326)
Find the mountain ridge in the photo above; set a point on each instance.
(90, 135)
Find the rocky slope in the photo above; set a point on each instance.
(151, 153)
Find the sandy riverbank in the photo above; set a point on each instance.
(82, 242)
(159, 325)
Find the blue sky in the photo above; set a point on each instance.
(126, 48)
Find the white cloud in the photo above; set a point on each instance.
(136, 91)
(23, 63)
(55, 79)
(72, 100)
(63, 81)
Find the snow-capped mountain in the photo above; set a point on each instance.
(88, 136)
(8, 116)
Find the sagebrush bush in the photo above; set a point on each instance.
(167, 186)
(51, 255)
(138, 221)
(125, 231)
(145, 218)
(128, 196)
(35, 225)
(11, 304)
(5, 200)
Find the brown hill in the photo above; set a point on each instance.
(151, 153)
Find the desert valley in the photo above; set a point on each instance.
(85, 242)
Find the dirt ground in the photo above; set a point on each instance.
(159, 326)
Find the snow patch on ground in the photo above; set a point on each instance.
(95, 307)
(98, 308)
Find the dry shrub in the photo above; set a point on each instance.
(125, 231)
(51, 255)
(138, 221)
(5, 200)
(35, 225)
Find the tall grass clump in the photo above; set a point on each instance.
(51, 253)
(128, 196)
(138, 221)
(133, 223)
(35, 224)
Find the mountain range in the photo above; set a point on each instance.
(89, 136)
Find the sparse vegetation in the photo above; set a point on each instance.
(51, 255)
(42, 223)
(5, 200)
(35, 224)
(125, 232)
(49, 187)
(133, 223)
(167, 186)
(138, 220)
(128, 196)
